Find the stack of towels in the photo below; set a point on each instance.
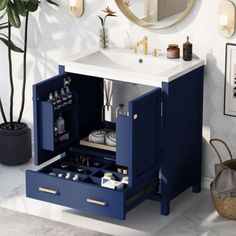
(103, 137)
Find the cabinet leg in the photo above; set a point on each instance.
(165, 207)
(197, 187)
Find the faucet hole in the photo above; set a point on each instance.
(140, 60)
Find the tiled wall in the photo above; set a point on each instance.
(54, 34)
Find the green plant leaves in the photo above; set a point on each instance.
(3, 4)
(11, 44)
(52, 2)
(13, 16)
(102, 21)
(32, 5)
(20, 7)
(3, 26)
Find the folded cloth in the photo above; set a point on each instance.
(224, 184)
(97, 136)
(111, 139)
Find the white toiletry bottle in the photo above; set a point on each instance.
(69, 95)
(58, 100)
(63, 98)
(52, 100)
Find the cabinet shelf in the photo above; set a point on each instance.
(90, 151)
(86, 142)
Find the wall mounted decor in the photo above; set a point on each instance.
(230, 80)
(155, 14)
(226, 18)
(76, 7)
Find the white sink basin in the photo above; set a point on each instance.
(124, 65)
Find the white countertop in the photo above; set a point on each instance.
(123, 65)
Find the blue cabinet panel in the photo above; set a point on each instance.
(139, 135)
(146, 132)
(82, 196)
(124, 141)
(182, 136)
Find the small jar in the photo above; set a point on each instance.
(109, 176)
(173, 51)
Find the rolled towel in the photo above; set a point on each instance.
(97, 136)
(110, 139)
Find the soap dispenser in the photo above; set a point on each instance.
(187, 50)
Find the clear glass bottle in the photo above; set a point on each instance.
(103, 38)
(60, 125)
(63, 98)
(69, 96)
(58, 100)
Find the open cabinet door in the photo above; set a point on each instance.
(139, 135)
(45, 117)
(80, 116)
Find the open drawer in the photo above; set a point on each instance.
(85, 194)
(138, 148)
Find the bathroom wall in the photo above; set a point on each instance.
(54, 34)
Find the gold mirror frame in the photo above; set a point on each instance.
(125, 10)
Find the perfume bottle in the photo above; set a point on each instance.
(60, 124)
(52, 100)
(63, 98)
(69, 96)
(58, 100)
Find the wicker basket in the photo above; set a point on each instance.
(225, 206)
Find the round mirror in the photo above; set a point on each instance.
(155, 14)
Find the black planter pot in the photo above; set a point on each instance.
(15, 144)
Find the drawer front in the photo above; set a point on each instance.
(78, 195)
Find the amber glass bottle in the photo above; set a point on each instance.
(187, 50)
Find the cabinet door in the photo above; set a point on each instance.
(80, 116)
(139, 136)
(45, 146)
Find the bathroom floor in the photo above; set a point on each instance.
(191, 215)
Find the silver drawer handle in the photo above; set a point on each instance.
(96, 202)
(47, 190)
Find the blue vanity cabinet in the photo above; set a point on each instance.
(159, 143)
(138, 149)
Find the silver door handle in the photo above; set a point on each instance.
(100, 203)
(47, 190)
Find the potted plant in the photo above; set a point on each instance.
(15, 135)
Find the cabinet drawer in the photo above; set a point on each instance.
(82, 196)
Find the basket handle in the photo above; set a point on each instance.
(215, 149)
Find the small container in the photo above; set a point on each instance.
(68, 175)
(108, 175)
(64, 165)
(125, 180)
(76, 177)
(173, 51)
(125, 171)
(57, 100)
(60, 124)
(63, 98)
(187, 51)
(52, 174)
(97, 164)
(119, 170)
